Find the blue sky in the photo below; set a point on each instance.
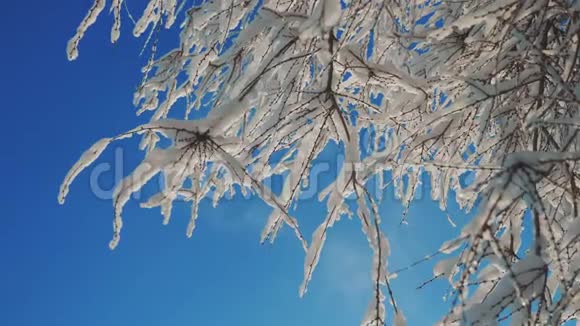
(56, 268)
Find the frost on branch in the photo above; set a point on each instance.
(477, 98)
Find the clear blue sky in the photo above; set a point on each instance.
(55, 266)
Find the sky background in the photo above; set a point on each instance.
(55, 266)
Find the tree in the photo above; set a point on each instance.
(484, 90)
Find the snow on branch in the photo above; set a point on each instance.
(445, 91)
